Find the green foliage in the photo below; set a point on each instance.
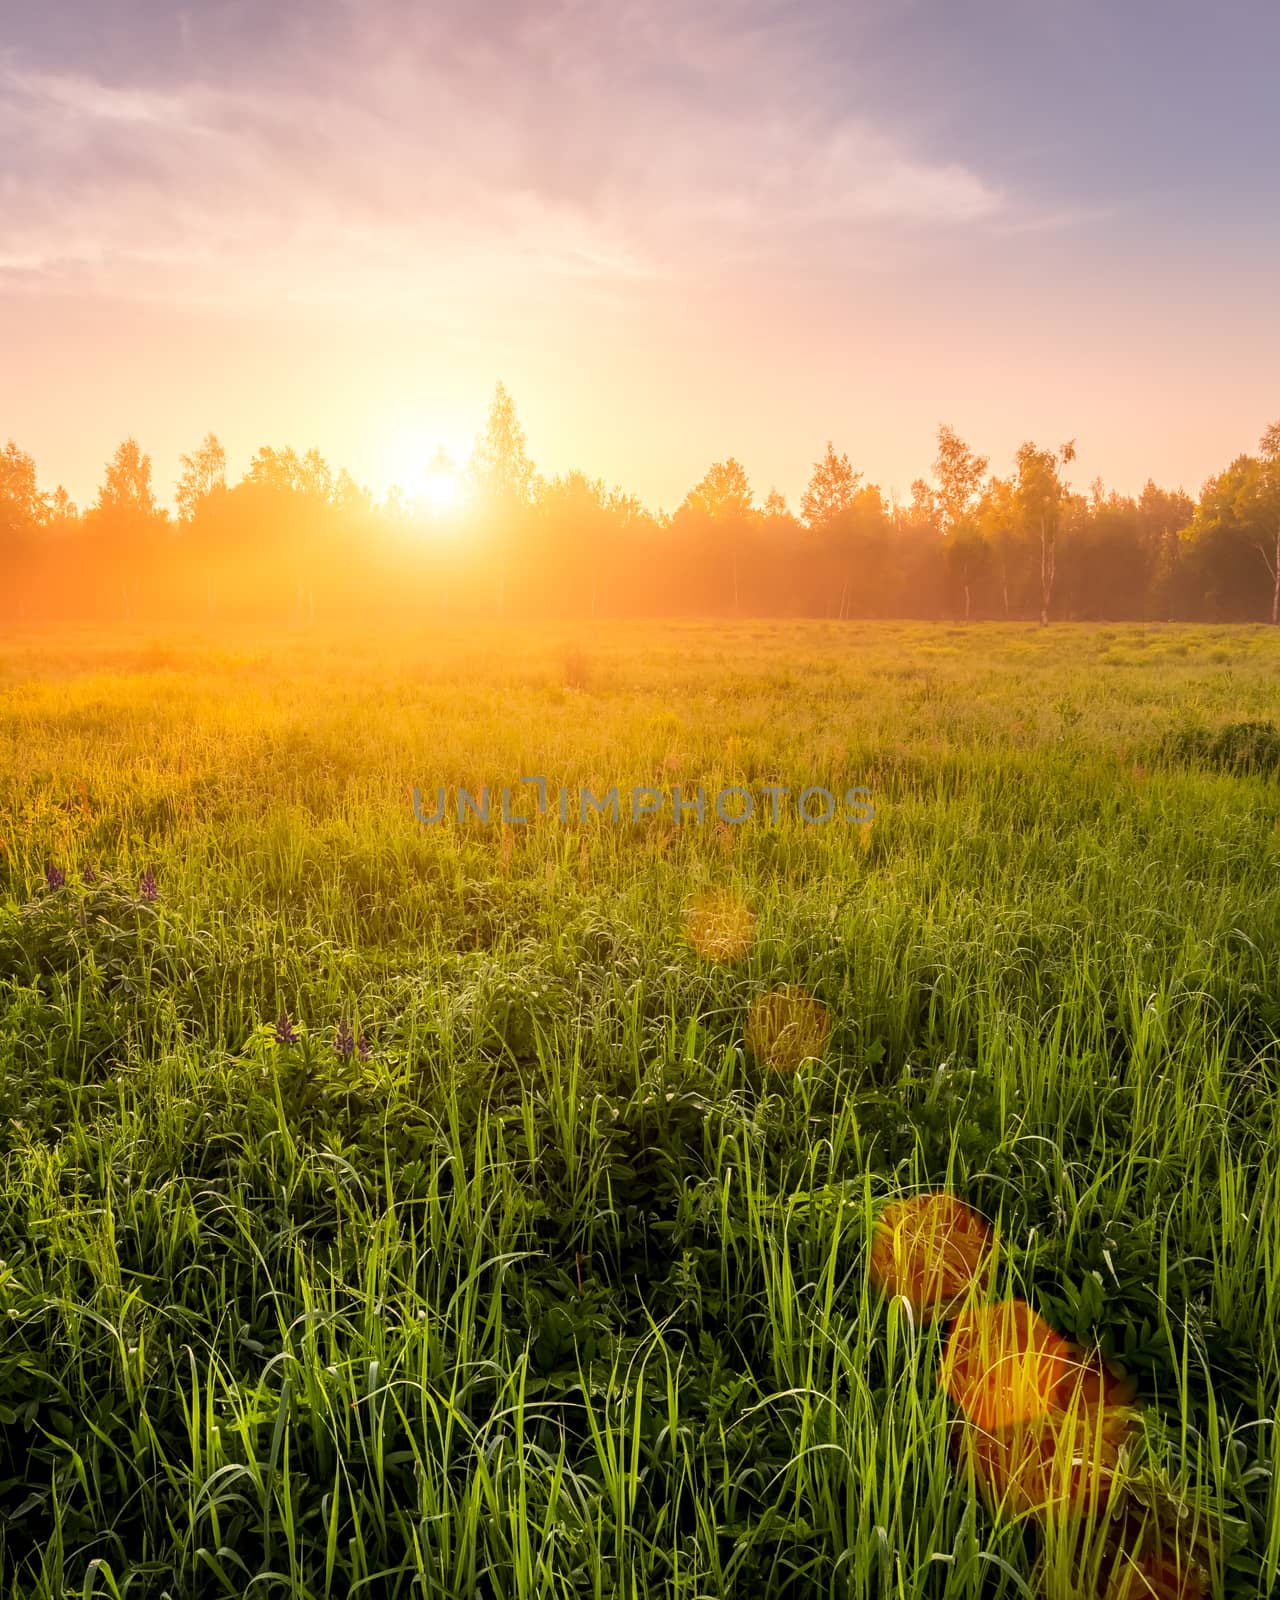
(1240, 747)
(553, 1289)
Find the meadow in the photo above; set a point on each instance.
(399, 1210)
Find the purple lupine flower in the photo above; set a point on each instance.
(284, 1028)
(344, 1043)
(148, 888)
(362, 1046)
(54, 877)
(88, 875)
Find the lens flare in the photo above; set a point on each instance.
(720, 925)
(1065, 1462)
(788, 1027)
(1155, 1577)
(1047, 1425)
(929, 1249)
(1004, 1365)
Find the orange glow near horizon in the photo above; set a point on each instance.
(337, 232)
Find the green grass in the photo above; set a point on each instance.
(561, 1293)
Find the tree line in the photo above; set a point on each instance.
(294, 539)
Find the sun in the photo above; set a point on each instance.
(442, 489)
(430, 483)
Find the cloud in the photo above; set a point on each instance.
(81, 99)
(410, 160)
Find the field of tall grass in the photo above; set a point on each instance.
(397, 1210)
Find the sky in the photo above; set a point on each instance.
(676, 231)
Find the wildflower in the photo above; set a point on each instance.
(362, 1046)
(929, 1249)
(148, 889)
(54, 877)
(284, 1028)
(88, 875)
(344, 1042)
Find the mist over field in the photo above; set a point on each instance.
(639, 800)
(295, 539)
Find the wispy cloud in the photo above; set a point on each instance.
(417, 160)
(83, 99)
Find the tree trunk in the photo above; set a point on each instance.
(1273, 567)
(1048, 562)
(1275, 585)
